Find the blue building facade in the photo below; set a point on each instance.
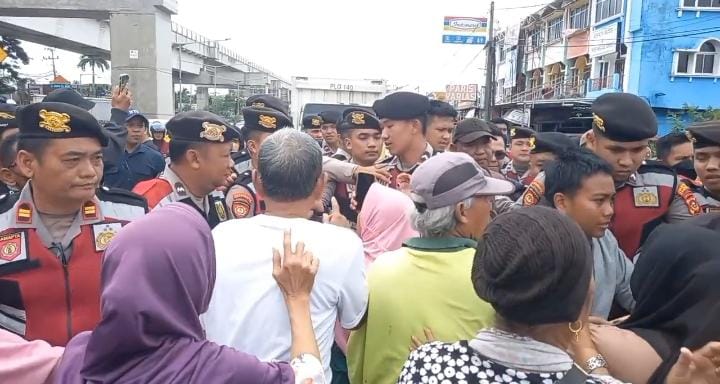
(572, 51)
(673, 51)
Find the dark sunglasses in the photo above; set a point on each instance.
(499, 155)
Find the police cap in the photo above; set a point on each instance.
(201, 127)
(311, 122)
(265, 119)
(69, 96)
(7, 116)
(402, 106)
(554, 142)
(520, 133)
(623, 117)
(50, 120)
(705, 134)
(268, 101)
(330, 117)
(356, 118)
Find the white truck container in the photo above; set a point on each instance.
(318, 90)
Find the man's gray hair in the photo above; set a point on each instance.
(438, 222)
(289, 164)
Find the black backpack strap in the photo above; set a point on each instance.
(574, 376)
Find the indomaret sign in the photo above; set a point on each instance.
(462, 92)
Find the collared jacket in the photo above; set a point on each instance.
(650, 197)
(51, 290)
(396, 168)
(144, 163)
(169, 188)
(706, 202)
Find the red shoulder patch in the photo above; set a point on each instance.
(153, 190)
(686, 193)
(533, 193)
(242, 203)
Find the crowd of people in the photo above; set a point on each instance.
(392, 244)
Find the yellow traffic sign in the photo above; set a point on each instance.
(3, 55)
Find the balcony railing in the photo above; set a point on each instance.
(565, 89)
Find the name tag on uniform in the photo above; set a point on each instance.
(103, 233)
(12, 248)
(646, 196)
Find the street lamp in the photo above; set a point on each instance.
(179, 47)
(215, 68)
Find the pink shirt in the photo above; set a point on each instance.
(27, 362)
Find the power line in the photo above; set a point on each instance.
(524, 6)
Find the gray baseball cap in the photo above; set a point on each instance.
(451, 177)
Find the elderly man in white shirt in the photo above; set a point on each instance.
(247, 310)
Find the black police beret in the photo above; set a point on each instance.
(268, 101)
(311, 122)
(69, 96)
(624, 117)
(705, 134)
(265, 119)
(355, 118)
(7, 116)
(48, 120)
(201, 127)
(330, 117)
(554, 142)
(402, 106)
(521, 133)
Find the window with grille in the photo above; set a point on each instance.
(579, 18)
(555, 28)
(605, 9)
(702, 3)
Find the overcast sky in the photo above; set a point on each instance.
(398, 40)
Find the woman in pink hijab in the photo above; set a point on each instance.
(384, 221)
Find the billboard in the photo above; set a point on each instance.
(461, 92)
(465, 30)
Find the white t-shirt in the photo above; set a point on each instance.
(247, 310)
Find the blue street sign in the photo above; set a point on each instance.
(463, 39)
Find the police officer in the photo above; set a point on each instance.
(331, 144)
(8, 126)
(53, 238)
(362, 133)
(312, 125)
(544, 148)
(706, 148)
(200, 162)
(520, 146)
(647, 192)
(404, 117)
(260, 122)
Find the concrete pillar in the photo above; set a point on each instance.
(203, 98)
(141, 45)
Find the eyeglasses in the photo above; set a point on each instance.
(499, 155)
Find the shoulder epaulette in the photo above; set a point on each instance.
(240, 156)
(244, 178)
(117, 195)
(656, 167)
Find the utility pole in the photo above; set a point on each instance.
(52, 58)
(490, 66)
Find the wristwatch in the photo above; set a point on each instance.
(595, 362)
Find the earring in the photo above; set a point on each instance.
(576, 331)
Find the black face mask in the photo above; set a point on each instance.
(686, 168)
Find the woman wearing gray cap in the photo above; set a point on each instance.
(534, 266)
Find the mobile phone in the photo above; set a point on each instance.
(124, 80)
(362, 186)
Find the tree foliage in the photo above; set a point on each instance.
(9, 69)
(692, 114)
(93, 61)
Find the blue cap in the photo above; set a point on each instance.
(135, 113)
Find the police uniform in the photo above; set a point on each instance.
(50, 289)
(242, 197)
(353, 118)
(332, 117)
(651, 195)
(510, 170)
(702, 135)
(403, 106)
(200, 127)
